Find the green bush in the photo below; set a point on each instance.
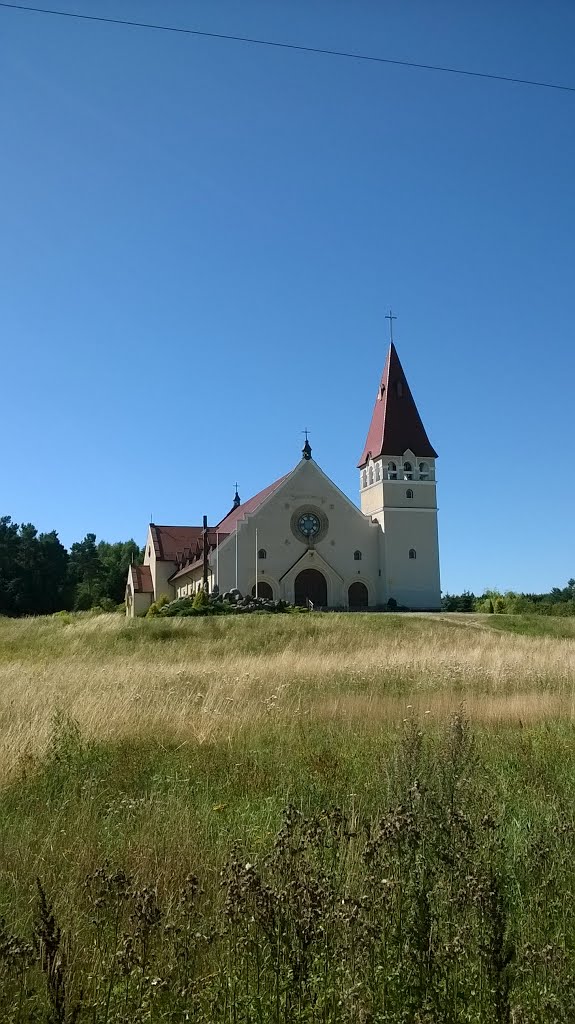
(201, 600)
(156, 606)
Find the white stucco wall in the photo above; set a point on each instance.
(414, 583)
(307, 488)
(399, 524)
(141, 603)
(160, 570)
(407, 523)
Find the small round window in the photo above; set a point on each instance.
(308, 524)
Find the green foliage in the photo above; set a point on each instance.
(201, 600)
(156, 606)
(557, 602)
(421, 877)
(39, 577)
(465, 602)
(33, 570)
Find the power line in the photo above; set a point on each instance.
(290, 46)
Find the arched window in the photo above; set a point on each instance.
(371, 474)
(412, 553)
(407, 471)
(391, 471)
(423, 471)
(357, 556)
(377, 471)
(262, 553)
(364, 479)
(409, 493)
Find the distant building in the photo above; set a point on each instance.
(301, 539)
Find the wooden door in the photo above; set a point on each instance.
(310, 585)
(357, 595)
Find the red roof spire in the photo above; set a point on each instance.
(395, 424)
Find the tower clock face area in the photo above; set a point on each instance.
(308, 525)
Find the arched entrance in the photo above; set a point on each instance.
(310, 585)
(264, 590)
(357, 596)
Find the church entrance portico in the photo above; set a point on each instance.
(311, 585)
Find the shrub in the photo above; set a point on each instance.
(156, 606)
(201, 600)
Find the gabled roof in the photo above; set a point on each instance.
(229, 524)
(142, 579)
(171, 541)
(395, 424)
(197, 554)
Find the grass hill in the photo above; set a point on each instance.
(423, 869)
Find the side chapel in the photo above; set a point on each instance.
(302, 540)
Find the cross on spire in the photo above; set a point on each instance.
(306, 450)
(391, 318)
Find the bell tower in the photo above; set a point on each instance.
(397, 488)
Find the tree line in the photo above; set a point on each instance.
(39, 576)
(559, 601)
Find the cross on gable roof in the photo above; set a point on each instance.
(230, 522)
(171, 542)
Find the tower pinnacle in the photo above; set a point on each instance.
(396, 425)
(391, 318)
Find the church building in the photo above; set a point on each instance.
(303, 541)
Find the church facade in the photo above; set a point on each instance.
(303, 541)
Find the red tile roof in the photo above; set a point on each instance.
(197, 554)
(233, 517)
(171, 541)
(142, 579)
(395, 424)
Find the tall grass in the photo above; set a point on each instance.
(184, 681)
(423, 875)
(296, 820)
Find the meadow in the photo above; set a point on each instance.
(319, 817)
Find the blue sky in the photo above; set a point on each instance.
(199, 241)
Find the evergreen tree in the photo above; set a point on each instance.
(86, 573)
(115, 559)
(9, 543)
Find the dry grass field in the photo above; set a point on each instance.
(190, 681)
(423, 871)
